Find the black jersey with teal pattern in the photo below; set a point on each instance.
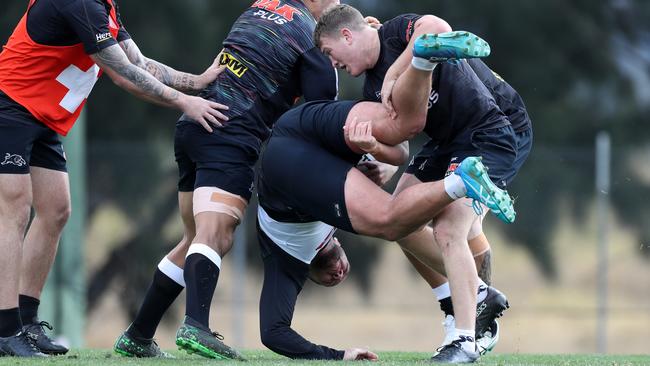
(466, 95)
(262, 54)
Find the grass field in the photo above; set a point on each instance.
(104, 357)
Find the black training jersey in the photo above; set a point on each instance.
(505, 95)
(69, 22)
(271, 61)
(459, 100)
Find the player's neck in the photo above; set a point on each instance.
(374, 48)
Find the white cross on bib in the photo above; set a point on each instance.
(79, 84)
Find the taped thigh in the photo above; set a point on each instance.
(213, 199)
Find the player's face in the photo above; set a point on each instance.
(337, 269)
(343, 54)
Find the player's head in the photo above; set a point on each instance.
(345, 37)
(330, 266)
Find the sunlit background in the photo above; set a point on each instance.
(575, 265)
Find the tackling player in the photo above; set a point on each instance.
(470, 112)
(271, 61)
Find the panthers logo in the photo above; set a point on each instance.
(14, 159)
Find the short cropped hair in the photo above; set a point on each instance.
(336, 18)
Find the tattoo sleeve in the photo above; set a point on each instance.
(175, 79)
(114, 60)
(485, 268)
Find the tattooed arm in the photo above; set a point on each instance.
(128, 76)
(178, 80)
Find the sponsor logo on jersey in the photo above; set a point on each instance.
(13, 159)
(337, 210)
(101, 37)
(234, 65)
(409, 31)
(433, 98)
(275, 11)
(452, 168)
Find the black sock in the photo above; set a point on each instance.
(446, 306)
(28, 309)
(10, 323)
(161, 294)
(201, 275)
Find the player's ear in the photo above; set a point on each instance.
(346, 33)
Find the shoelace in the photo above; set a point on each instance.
(30, 339)
(454, 343)
(33, 329)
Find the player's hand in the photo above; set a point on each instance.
(360, 134)
(211, 73)
(353, 354)
(373, 22)
(386, 97)
(378, 172)
(204, 111)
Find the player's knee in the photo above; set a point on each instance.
(59, 216)
(15, 207)
(218, 238)
(382, 224)
(446, 234)
(270, 338)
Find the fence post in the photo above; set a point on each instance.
(603, 164)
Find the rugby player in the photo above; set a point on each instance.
(469, 113)
(47, 70)
(292, 253)
(271, 61)
(315, 147)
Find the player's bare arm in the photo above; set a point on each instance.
(426, 24)
(137, 81)
(178, 80)
(360, 138)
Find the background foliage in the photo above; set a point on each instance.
(581, 67)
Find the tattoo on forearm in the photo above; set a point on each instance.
(165, 74)
(170, 77)
(116, 60)
(485, 269)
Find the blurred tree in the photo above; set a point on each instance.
(581, 66)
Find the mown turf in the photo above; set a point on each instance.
(108, 358)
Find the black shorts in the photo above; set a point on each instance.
(224, 158)
(25, 141)
(301, 182)
(503, 152)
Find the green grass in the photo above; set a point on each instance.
(104, 357)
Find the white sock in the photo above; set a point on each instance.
(442, 291)
(172, 271)
(466, 338)
(423, 64)
(454, 186)
(205, 250)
